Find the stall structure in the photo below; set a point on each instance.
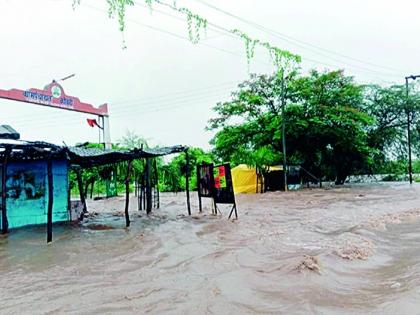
(34, 184)
(34, 178)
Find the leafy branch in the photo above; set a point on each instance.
(282, 59)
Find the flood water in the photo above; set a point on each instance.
(349, 250)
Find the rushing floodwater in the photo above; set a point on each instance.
(351, 250)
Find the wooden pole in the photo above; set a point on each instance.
(256, 173)
(187, 180)
(4, 221)
(148, 186)
(157, 184)
(283, 128)
(144, 191)
(127, 194)
(200, 205)
(140, 197)
(81, 191)
(50, 200)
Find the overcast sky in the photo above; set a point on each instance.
(163, 87)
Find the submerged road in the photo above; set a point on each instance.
(349, 250)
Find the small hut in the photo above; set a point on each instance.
(35, 178)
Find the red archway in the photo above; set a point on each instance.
(53, 95)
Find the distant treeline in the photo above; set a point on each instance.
(334, 128)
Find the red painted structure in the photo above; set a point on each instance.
(53, 96)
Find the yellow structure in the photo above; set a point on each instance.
(244, 179)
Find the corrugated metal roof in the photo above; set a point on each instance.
(7, 132)
(87, 157)
(78, 156)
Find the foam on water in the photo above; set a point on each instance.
(351, 250)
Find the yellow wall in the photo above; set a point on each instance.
(244, 179)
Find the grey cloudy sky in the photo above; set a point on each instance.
(162, 86)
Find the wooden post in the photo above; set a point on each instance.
(200, 205)
(127, 194)
(91, 188)
(140, 196)
(256, 173)
(187, 180)
(4, 221)
(50, 199)
(148, 186)
(157, 184)
(81, 191)
(143, 190)
(135, 184)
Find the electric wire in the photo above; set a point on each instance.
(293, 40)
(228, 32)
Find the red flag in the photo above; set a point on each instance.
(92, 122)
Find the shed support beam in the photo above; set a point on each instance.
(81, 190)
(148, 185)
(200, 205)
(157, 198)
(50, 200)
(127, 194)
(187, 180)
(4, 221)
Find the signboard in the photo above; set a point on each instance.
(223, 186)
(216, 182)
(205, 180)
(53, 96)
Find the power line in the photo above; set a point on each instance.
(153, 106)
(159, 105)
(294, 40)
(228, 32)
(185, 92)
(160, 30)
(157, 102)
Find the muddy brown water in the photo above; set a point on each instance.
(349, 250)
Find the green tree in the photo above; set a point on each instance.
(326, 128)
(173, 173)
(249, 124)
(388, 134)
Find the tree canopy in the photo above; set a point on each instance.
(334, 126)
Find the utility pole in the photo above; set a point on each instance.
(283, 127)
(408, 112)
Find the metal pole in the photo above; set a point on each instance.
(106, 132)
(410, 164)
(283, 129)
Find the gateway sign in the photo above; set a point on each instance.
(53, 96)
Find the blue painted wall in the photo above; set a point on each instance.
(27, 190)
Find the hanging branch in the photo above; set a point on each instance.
(249, 45)
(281, 59)
(195, 23)
(117, 8)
